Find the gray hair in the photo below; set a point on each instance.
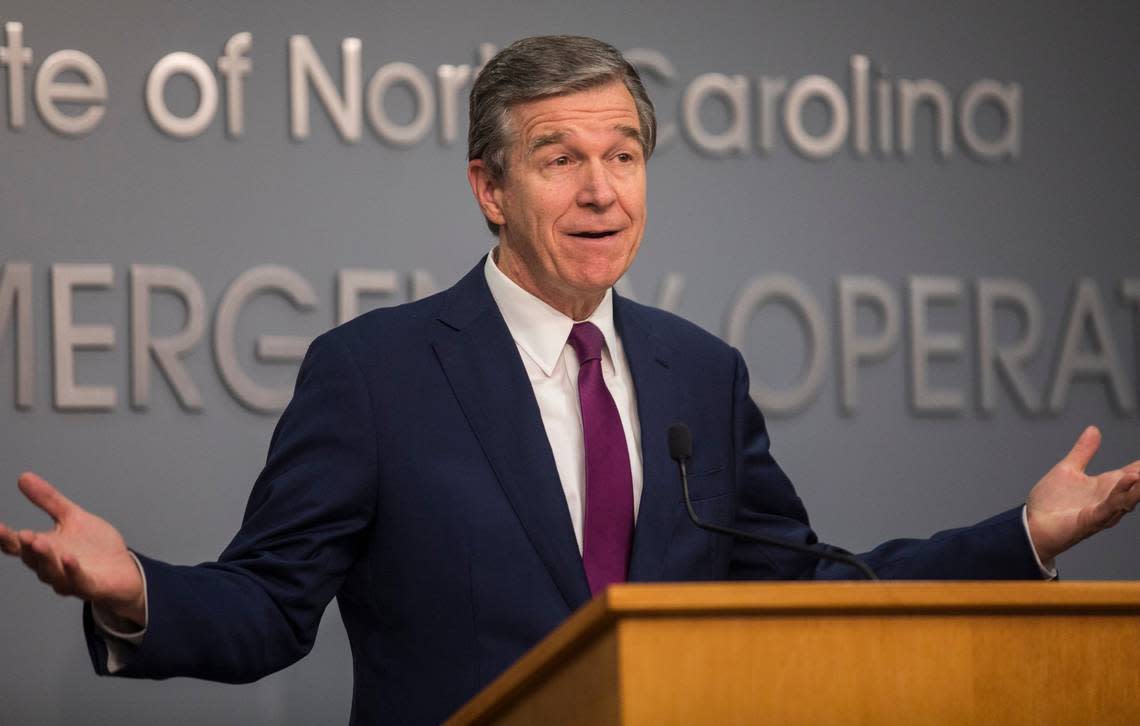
(540, 67)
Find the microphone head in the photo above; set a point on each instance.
(680, 441)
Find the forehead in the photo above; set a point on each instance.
(604, 108)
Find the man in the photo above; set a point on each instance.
(462, 492)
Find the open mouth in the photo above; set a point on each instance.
(601, 234)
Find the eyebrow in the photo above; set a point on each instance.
(632, 133)
(550, 139)
(557, 137)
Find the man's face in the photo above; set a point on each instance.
(572, 204)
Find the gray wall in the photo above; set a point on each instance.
(176, 481)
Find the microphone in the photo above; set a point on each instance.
(681, 448)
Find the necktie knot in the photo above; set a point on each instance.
(586, 340)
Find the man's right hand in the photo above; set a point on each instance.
(83, 555)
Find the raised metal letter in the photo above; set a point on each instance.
(925, 345)
(421, 284)
(1009, 98)
(233, 65)
(352, 283)
(1086, 312)
(912, 93)
(1011, 358)
(420, 125)
(16, 57)
(304, 63)
(861, 103)
(16, 292)
(826, 90)
(166, 351)
(253, 282)
(654, 64)
(871, 292)
(734, 91)
(792, 293)
(190, 65)
(91, 92)
(770, 91)
(451, 80)
(67, 337)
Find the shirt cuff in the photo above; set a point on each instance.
(1048, 571)
(120, 635)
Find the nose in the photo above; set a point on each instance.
(597, 189)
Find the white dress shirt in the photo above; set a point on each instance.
(540, 332)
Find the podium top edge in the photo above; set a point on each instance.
(884, 597)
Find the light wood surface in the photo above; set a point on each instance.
(833, 653)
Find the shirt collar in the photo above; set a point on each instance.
(537, 328)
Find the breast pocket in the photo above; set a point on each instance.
(706, 482)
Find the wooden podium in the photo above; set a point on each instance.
(820, 653)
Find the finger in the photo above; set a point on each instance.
(1113, 520)
(45, 496)
(1124, 484)
(9, 542)
(52, 567)
(39, 553)
(32, 559)
(1122, 496)
(1132, 494)
(46, 564)
(1085, 448)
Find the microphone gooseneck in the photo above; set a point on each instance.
(681, 448)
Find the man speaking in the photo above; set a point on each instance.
(465, 471)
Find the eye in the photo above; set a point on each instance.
(560, 161)
(625, 157)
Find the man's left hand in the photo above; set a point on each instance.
(1068, 505)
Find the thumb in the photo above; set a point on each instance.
(1084, 450)
(45, 496)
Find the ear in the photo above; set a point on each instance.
(487, 191)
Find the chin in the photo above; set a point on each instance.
(598, 277)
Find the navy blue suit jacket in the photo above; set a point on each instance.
(411, 478)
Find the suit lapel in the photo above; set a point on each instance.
(481, 362)
(658, 406)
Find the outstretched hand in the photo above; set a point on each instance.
(1068, 505)
(82, 555)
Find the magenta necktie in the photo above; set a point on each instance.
(608, 529)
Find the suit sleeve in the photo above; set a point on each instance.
(997, 548)
(256, 610)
